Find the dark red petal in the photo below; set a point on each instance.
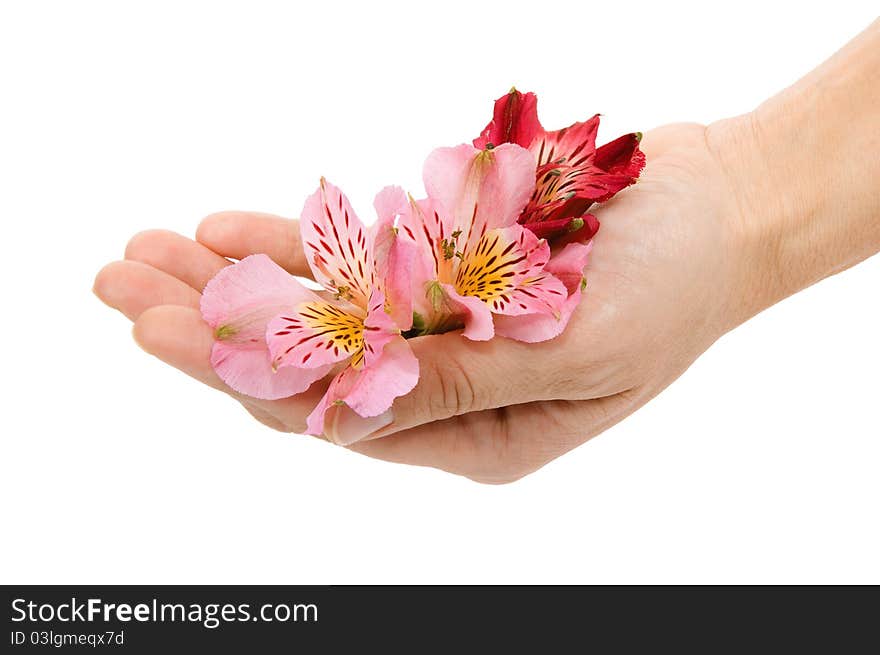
(550, 229)
(610, 169)
(561, 191)
(574, 144)
(587, 232)
(621, 156)
(515, 120)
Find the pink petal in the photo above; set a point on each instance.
(506, 271)
(533, 328)
(423, 228)
(389, 203)
(241, 298)
(247, 370)
(402, 263)
(315, 333)
(426, 224)
(337, 245)
(322, 333)
(379, 328)
(395, 256)
(568, 266)
(371, 390)
(473, 312)
(339, 387)
(238, 303)
(481, 189)
(543, 294)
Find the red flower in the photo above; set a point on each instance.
(571, 174)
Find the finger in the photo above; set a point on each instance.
(239, 234)
(503, 445)
(163, 334)
(133, 287)
(458, 376)
(185, 259)
(179, 337)
(264, 417)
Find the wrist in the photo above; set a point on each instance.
(803, 172)
(762, 199)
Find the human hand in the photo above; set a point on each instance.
(725, 221)
(661, 287)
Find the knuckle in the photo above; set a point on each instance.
(455, 391)
(267, 419)
(500, 458)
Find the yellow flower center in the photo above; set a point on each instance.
(487, 272)
(336, 329)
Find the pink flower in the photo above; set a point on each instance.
(476, 262)
(275, 337)
(571, 173)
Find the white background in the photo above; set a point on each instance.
(759, 465)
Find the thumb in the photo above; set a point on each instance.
(458, 376)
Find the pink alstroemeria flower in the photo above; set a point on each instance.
(476, 262)
(571, 173)
(304, 335)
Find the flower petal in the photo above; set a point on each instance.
(581, 235)
(390, 203)
(371, 390)
(314, 333)
(621, 156)
(550, 229)
(481, 189)
(395, 256)
(242, 298)
(397, 277)
(427, 225)
(533, 328)
(515, 120)
(572, 173)
(247, 369)
(573, 144)
(563, 186)
(472, 312)
(542, 294)
(612, 168)
(379, 329)
(506, 271)
(238, 303)
(567, 266)
(337, 245)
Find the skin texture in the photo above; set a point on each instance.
(726, 220)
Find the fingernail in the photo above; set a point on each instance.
(344, 427)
